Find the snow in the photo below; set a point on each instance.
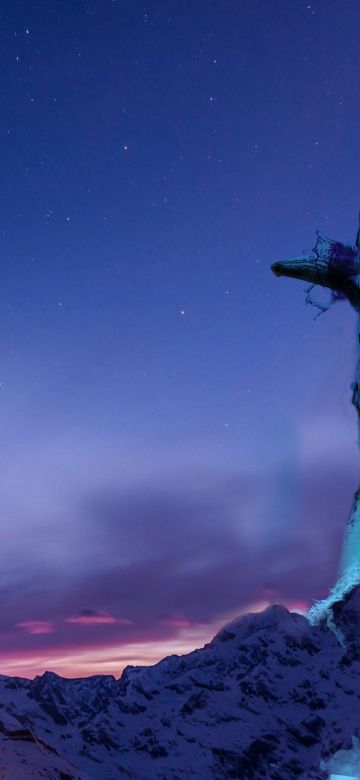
(271, 696)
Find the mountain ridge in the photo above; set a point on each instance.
(270, 696)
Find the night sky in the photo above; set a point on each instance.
(177, 442)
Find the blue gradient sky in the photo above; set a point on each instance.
(177, 440)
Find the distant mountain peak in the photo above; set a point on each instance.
(273, 696)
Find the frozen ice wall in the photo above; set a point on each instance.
(344, 764)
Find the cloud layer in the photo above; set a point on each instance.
(164, 560)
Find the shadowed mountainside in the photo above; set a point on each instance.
(269, 697)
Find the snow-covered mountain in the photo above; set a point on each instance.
(271, 696)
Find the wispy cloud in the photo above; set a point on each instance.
(36, 626)
(160, 563)
(91, 617)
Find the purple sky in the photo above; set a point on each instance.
(177, 439)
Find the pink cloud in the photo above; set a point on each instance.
(36, 626)
(177, 621)
(91, 617)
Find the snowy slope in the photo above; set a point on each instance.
(270, 697)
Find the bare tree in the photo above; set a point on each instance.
(336, 267)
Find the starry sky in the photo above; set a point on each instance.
(177, 440)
